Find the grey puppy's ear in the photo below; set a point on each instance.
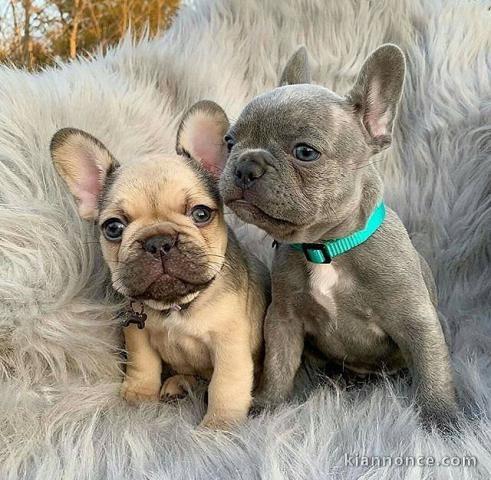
(297, 69)
(84, 163)
(200, 135)
(377, 92)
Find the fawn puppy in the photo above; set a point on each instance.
(165, 240)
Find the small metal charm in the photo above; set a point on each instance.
(131, 316)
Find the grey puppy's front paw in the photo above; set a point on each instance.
(446, 422)
(267, 400)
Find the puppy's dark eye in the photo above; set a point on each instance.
(305, 153)
(230, 142)
(112, 229)
(201, 214)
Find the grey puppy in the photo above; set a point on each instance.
(300, 168)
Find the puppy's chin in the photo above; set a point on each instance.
(279, 229)
(160, 305)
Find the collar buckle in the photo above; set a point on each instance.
(316, 252)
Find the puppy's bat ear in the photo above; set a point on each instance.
(84, 163)
(377, 91)
(297, 70)
(200, 135)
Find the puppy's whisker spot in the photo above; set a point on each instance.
(214, 267)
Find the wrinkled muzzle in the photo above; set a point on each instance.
(164, 267)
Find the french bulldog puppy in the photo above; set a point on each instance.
(300, 167)
(165, 240)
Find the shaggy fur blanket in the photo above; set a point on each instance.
(60, 347)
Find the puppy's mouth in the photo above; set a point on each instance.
(159, 290)
(166, 282)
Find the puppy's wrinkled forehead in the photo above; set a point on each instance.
(157, 189)
(293, 111)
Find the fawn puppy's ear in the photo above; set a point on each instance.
(200, 136)
(84, 163)
(297, 70)
(377, 91)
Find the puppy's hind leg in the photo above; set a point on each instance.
(177, 386)
(432, 291)
(415, 327)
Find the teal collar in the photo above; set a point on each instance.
(325, 252)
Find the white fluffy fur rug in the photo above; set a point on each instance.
(60, 414)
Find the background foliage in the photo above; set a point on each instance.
(35, 33)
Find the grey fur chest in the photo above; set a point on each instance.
(342, 321)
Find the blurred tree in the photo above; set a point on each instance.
(22, 25)
(35, 33)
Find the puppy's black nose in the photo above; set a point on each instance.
(160, 244)
(249, 170)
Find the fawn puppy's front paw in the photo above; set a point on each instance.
(177, 386)
(216, 423)
(228, 421)
(137, 391)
